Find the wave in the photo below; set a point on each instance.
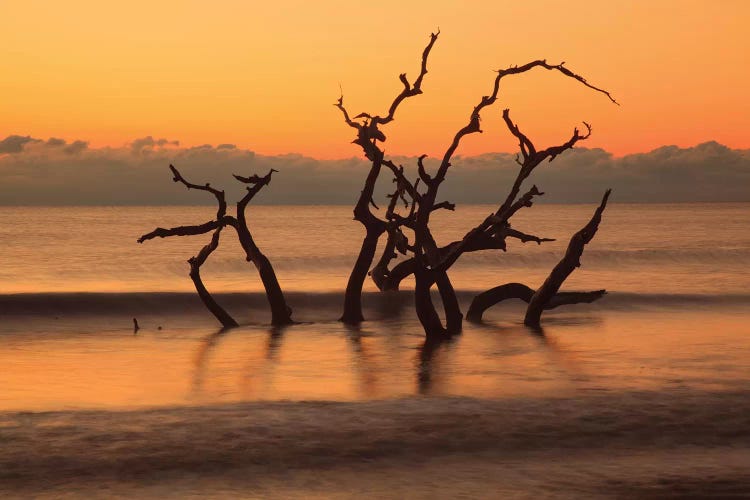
(546, 258)
(72, 447)
(188, 303)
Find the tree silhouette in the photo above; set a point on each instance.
(281, 314)
(429, 261)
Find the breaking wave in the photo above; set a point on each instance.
(188, 303)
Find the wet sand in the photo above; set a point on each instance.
(687, 443)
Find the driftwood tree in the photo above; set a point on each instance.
(430, 262)
(281, 314)
(548, 295)
(368, 136)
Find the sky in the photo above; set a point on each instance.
(263, 75)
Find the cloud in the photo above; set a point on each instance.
(147, 143)
(56, 172)
(15, 143)
(76, 147)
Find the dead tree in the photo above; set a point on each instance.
(572, 259)
(195, 274)
(495, 295)
(395, 239)
(482, 237)
(430, 262)
(368, 131)
(280, 312)
(548, 295)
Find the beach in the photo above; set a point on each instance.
(633, 444)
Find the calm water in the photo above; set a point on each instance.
(668, 249)
(676, 314)
(642, 394)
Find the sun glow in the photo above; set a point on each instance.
(265, 75)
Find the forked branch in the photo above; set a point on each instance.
(177, 177)
(226, 320)
(192, 230)
(473, 125)
(256, 183)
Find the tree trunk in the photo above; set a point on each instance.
(353, 297)
(487, 299)
(493, 296)
(564, 268)
(195, 274)
(426, 312)
(374, 227)
(400, 271)
(453, 316)
(224, 318)
(281, 313)
(380, 272)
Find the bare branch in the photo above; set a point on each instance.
(567, 72)
(409, 90)
(204, 252)
(177, 177)
(393, 200)
(526, 200)
(220, 221)
(565, 267)
(514, 70)
(589, 230)
(422, 172)
(255, 178)
(195, 264)
(531, 159)
(204, 228)
(519, 291)
(523, 237)
(256, 184)
(527, 148)
(566, 298)
(400, 178)
(444, 204)
(340, 104)
(474, 118)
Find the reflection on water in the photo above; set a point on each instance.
(100, 363)
(428, 369)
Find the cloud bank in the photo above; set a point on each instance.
(57, 172)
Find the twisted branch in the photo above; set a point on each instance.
(221, 218)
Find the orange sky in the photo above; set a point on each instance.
(264, 75)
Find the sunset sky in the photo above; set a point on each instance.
(264, 75)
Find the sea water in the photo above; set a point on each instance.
(643, 393)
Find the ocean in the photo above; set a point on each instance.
(641, 394)
(699, 249)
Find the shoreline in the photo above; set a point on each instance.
(265, 441)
